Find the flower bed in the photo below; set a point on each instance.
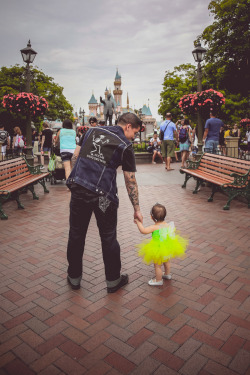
(205, 101)
(25, 104)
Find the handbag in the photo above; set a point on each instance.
(162, 132)
(52, 163)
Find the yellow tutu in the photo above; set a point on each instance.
(164, 245)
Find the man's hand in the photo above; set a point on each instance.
(138, 216)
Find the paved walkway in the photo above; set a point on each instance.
(197, 323)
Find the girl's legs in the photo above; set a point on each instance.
(67, 168)
(158, 272)
(166, 270)
(183, 158)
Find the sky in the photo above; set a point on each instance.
(81, 43)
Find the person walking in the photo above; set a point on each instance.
(93, 189)
(4, 140)
(18, 141)
(211, 134)
(46, 142)
(164, 245)
(67, 137)
(168, 146)
(185, 140)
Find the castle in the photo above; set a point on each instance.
(96, 108)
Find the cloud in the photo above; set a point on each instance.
(80, 43)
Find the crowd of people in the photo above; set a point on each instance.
(181, 137)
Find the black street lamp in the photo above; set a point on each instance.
(28, 55)
(199, 54)
(82, 113)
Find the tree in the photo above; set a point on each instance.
(181, 81)
(12, 80)
(228, 46)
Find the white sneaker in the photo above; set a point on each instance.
(42, 167)
(167, 277)
(154, 282)
(153, 162)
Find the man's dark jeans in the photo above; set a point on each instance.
(83, 203)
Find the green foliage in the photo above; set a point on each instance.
(227, 63)
(228, 45)
(12, 80)
(181, 81)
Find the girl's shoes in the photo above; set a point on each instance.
(154, 282)
(167, 277)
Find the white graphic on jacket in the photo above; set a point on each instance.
(97, 143)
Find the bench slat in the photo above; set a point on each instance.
(23, 182)
(13, 179)
(13, 172)
(12, 162)
(224, 168)
(227, 159)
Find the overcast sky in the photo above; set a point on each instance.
(80, 43)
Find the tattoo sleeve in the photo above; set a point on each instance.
(132, 189)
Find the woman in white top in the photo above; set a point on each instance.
(18, 142)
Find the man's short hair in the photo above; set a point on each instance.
(129, 118)
(168, 115)
(92, 119)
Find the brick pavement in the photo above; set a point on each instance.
(196, 323)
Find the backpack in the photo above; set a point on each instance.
(3, 137)
(183, 135)
(20, 142)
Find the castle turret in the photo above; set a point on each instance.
(118, 91)
(93, 106)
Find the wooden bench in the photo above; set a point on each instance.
(230, 175)
(17, 176)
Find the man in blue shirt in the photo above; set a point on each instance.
(168, 146)
(213, 127)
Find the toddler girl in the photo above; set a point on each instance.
(164, 245)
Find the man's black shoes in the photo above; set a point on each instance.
(123, 281)
(73, 286)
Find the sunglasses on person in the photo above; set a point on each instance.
(92, 122)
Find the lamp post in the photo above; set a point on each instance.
(82, 113)
(140, 117)
(28, 55)
(199, 54)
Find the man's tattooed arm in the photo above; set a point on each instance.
(132, 189)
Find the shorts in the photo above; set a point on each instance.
(46, 149)
(211, 146)
(66, 156)
(167, 148)
(184, 146)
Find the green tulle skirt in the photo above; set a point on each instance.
(161, 249)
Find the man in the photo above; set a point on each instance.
(93, 121)
(93, 186)
(108, 109)
(213, 127)
(46, 143)
(168, 146)
(4, 140)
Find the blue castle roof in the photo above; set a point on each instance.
(92, 100)
(117, 76)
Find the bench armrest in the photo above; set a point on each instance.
(5, 194)
(191, 164)
(239, 179)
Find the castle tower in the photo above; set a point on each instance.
(93, 106)
(117, 91)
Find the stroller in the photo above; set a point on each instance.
(55, 167)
